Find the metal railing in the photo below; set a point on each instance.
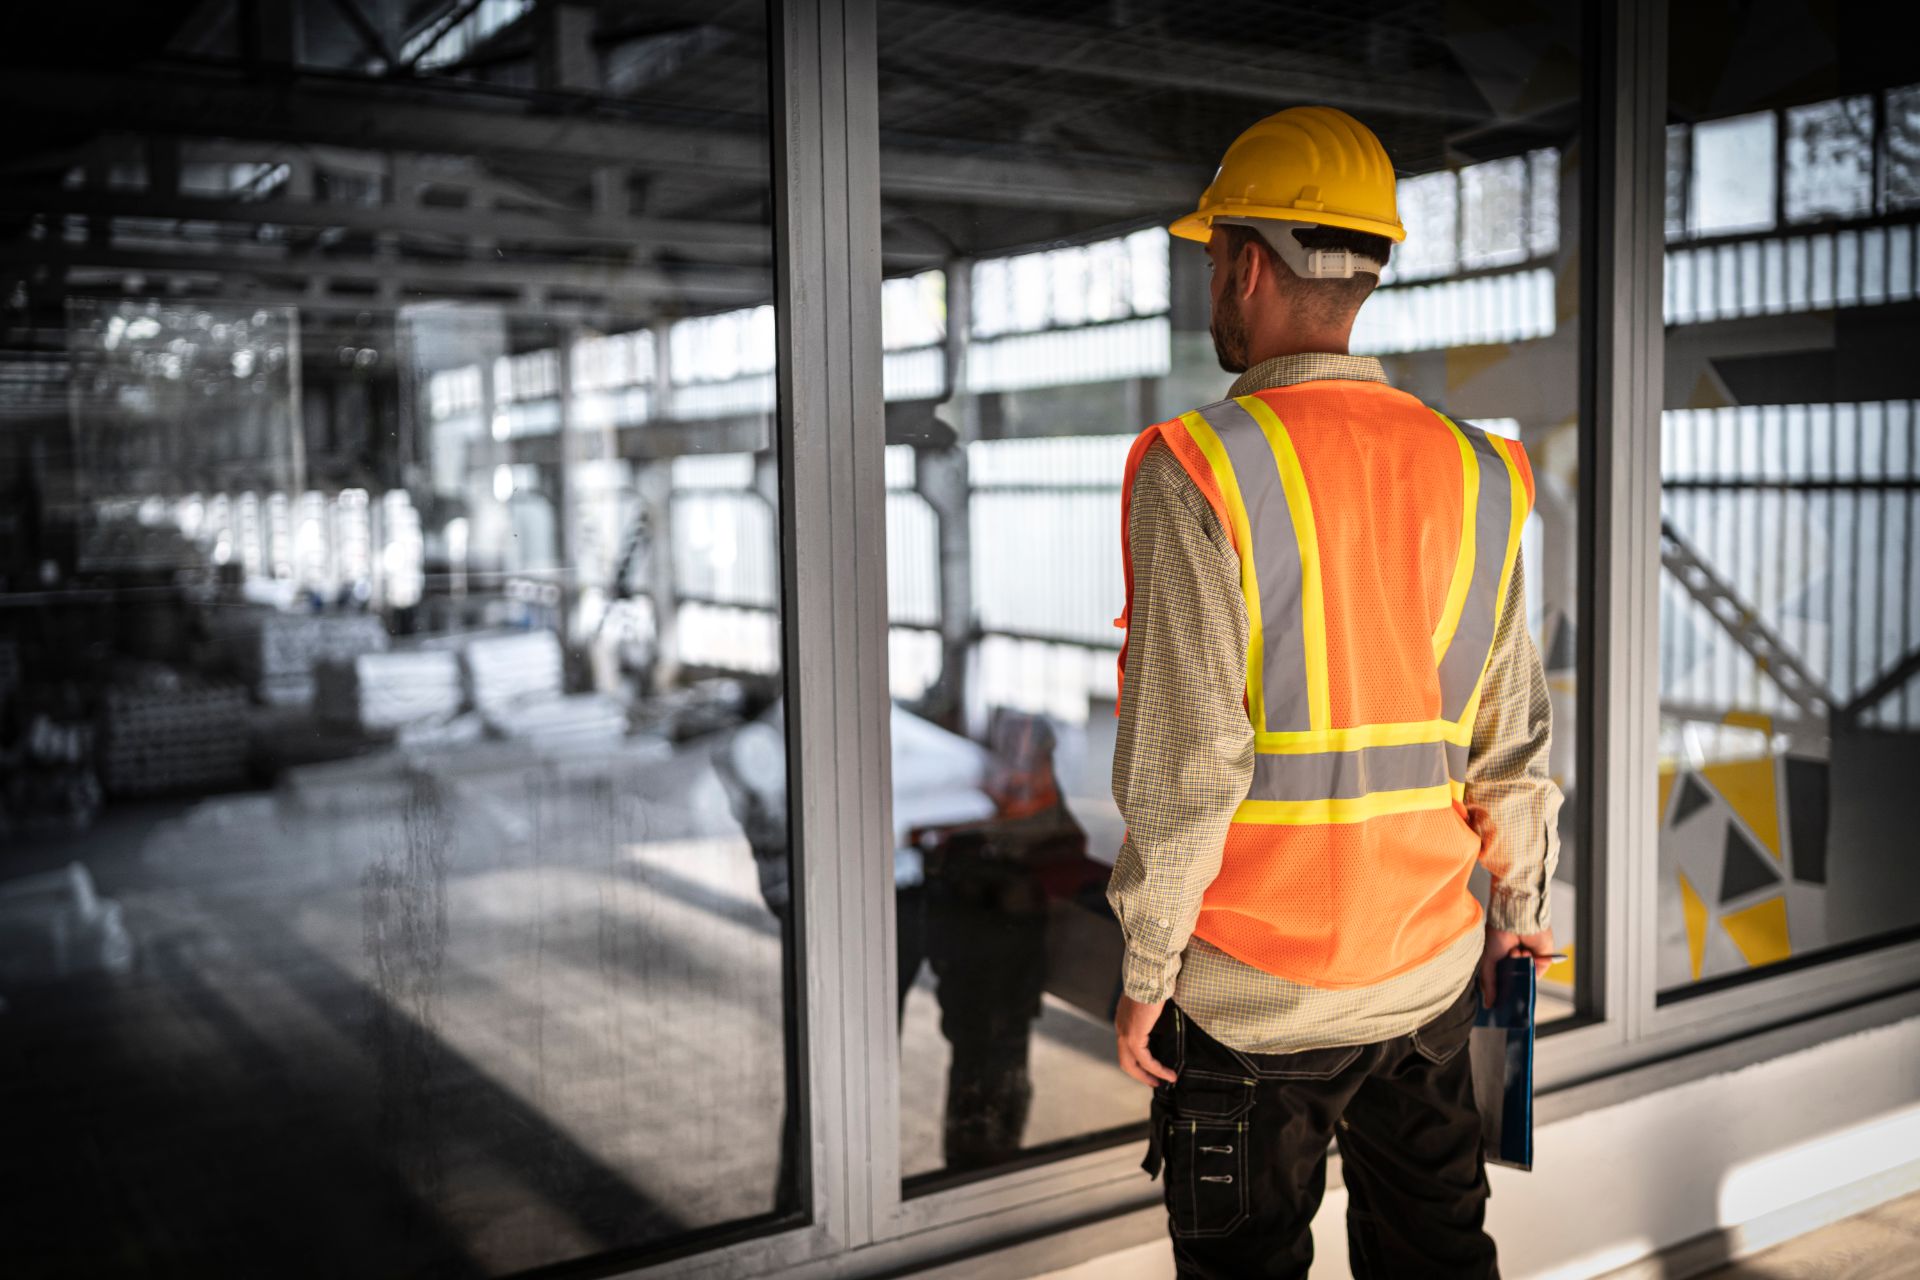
(1810, 516)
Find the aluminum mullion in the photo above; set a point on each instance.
(855, 60)
(1621, 449)
(833, 521)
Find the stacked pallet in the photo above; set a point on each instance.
(380, 693)
(504, 668)
(188, 735)
(277, 653)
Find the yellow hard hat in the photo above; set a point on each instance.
(1304, 164)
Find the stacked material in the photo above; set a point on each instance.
(382, 692)
(191, 735)
(276, 653)
(561, 721)
(505, 668)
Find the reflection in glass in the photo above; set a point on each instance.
(1902, 147)
(1732, 187)
(393, 816)
(1074, 323)
(1493, 211)
(1830, 159)
(1790, 539)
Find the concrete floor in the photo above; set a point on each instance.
(476, 1016)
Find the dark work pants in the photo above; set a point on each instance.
(986, 934)
(1243, 1137)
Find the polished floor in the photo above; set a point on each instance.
(1881, 1244)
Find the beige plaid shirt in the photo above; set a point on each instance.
(1184, 759)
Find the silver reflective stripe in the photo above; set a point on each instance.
(1276, 562)
(1342, 775)
(1466, 657)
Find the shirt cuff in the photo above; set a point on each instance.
(1517, 911)
(1148, 979)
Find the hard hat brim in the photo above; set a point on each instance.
(1198, 225)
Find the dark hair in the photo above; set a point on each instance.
(1334, 301)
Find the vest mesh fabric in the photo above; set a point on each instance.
(1383, 474)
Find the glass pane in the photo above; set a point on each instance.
(1733, 175)
(1494, 213)
(1430, 210)
(1902, 148)
(394, 817)
(1830, 159)
(1790, 601)
(1034, 157)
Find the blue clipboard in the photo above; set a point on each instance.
(1502, 1049)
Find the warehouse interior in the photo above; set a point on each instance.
(392, 643)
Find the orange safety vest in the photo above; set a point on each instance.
(1376, 538)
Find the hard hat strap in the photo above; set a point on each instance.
(1308, 264)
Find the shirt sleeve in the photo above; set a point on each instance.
(1511, 800)
(1183, 757)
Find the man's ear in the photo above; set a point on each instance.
(1255, 267)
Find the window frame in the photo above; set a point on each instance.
(833, 514)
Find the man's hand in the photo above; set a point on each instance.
(1131, 1023)
(1502, 945)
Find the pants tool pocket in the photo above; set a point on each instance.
(1206, 1177)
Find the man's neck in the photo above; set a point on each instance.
(1298, 366)
(1324, 344)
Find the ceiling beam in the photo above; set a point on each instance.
(557, 227)
(732, 285)
(1063, 184)
(319, 312)
(385, 115)
(554, 228)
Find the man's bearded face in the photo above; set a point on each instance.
(1228, 325)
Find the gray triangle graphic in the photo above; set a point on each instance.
(1807, 818)
(1745, 869)
(1693, 798)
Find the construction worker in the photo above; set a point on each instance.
(1331, 710)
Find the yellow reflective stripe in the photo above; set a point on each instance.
(1320, 813)
(1216, 454)
(1516, 521)
(1410, 733)
(1313, 604)
(1463, 563)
